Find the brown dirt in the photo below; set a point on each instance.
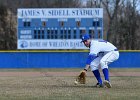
(48, 74)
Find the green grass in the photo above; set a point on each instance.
(63, 88)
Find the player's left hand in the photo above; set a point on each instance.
(81, 79)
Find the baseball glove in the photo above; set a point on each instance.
(81, 79)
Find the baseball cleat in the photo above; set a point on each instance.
(107, 84)
(98, 85)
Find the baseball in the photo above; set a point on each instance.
(75, 82)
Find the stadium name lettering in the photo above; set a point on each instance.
(58, 12)
(73, 12)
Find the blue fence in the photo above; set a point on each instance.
(61, 60)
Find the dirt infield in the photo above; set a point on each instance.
(58, 84)
(48, 74)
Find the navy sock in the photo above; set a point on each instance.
(106, 73)
(97, 75)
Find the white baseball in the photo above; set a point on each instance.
(75, 82)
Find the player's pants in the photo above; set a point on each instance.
(103, 60)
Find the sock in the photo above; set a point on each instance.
(106, 74)
(97, 75)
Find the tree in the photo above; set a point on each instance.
(7, 29)
(122, 22)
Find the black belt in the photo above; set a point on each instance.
(115, 49)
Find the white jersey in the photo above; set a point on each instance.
(97, 46)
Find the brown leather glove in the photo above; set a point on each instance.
(81, 79)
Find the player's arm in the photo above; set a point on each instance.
(86, 67)
(82, 76)
(90, 58)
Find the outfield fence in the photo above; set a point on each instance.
(62, 59)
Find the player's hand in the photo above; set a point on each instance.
(81, 79)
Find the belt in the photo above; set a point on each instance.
(115, 49)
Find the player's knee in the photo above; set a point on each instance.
(93, 68)
(103, 64)
(102, 67)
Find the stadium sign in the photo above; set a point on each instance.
(57, 28)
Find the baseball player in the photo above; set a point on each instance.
(101, 54)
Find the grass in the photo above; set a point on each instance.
(63, 88)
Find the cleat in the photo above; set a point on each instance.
(98, 85)
(107, 84)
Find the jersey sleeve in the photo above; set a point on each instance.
(90, 58)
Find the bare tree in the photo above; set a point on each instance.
(122, 22)
(94, 3)
(111, 9)
(131, 17)
(7, 29)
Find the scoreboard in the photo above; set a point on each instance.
(57, 28)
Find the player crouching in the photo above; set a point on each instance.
(101, 54)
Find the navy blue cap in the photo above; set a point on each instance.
(85, 37)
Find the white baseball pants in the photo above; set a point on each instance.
(103, 60)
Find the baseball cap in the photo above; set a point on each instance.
(85, 37)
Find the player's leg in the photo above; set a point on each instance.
(95, 69)
(108, 58)
(98, 78)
